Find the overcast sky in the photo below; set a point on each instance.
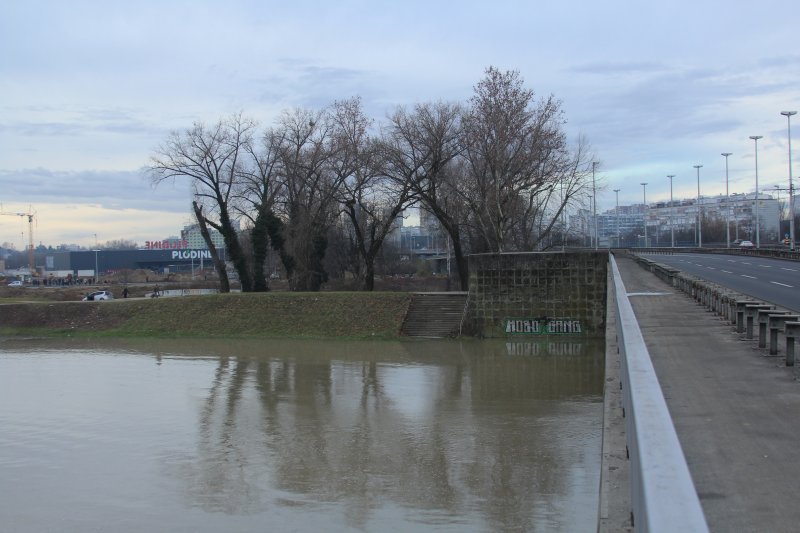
(89, 89)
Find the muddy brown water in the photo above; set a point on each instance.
(222, 435)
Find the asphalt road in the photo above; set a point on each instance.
(773, 280)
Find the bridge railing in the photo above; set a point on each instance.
(663, 496)
(771, 252)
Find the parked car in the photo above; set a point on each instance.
(98, 296)
(15, 283)
(746, 244)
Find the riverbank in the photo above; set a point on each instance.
(352, 315)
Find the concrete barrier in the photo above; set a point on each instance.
(763, 317)
(750, 313)
(792, 332)
(777, 322)
(740, 310)
(741, 304)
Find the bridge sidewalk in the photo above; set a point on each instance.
(735, 410)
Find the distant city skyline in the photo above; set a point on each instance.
(412, 217)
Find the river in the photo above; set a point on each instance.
(204, 435)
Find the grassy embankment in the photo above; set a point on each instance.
(352, 315)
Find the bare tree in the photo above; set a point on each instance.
(498, 174)
(309, 194)
(370, 200)
(261, 185)
(420, 149)
(544, 209)
(519, 174)
(119, 244)
(209, 157)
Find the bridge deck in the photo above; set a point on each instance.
(735, 410)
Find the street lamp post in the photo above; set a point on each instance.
(671, 209)
(589, 229)
(96, 273)
(727, 203)
(699, 214)
(594, 204)
(758, 224)
(644, 215)
(616, 212)
(788, 115)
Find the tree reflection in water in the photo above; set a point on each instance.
(476, 434)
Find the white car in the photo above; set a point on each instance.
(15, 283)
(746, 244)
(98, 296)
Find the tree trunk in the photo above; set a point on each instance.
(369, 272)
(235, 252)
(219, 265)
(461, 263)
(275, 228)
(317, 275)
(260, 240)
(452, 229)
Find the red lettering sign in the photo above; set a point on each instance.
(166, 245)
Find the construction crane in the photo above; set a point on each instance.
(31, 258)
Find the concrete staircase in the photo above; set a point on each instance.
(435, 314)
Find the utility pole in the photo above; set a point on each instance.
(616, 191)
(758, 222)
(594, 204)
(699, 213)
(727, 203)
(644, 216)
(788, 115)
(671, 209)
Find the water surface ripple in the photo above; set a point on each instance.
(212, 435)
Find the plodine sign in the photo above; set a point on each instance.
(191, 254)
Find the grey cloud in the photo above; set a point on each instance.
(86, 121)
(655, 115)
(780, 61)
(111, 190)
(675, 102)
(617, 68)
(324, 75)
(44, 129)
(304, 83)
(117, 121)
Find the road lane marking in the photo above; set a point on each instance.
(746, 276)
(746, 263)
(727, 271)
(765, 266)
(649, 294)
(711, 268)
(782, 284)
(789, 269)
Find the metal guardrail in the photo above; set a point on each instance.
(775, 253)
(662, 492)
(733, 306)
